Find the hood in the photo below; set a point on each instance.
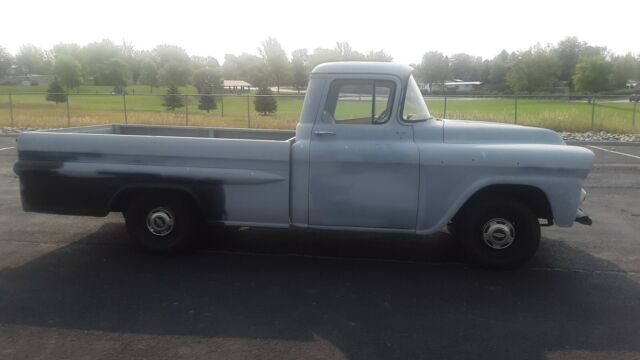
(478, 132)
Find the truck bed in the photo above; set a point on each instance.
(181, 131)
(239, 176)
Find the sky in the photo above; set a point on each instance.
(404, 29)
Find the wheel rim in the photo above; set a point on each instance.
(498, 233)
(160, 221)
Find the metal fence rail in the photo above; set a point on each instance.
(615, 113)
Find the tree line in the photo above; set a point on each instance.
(570, 63)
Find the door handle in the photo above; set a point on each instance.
(322, 133)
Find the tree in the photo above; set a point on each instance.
(66, 49)
(206, 78)
(5, 62)
(173, 100)
(31, 60)
(466, 67)
(568, 54)
(207, 101)
(322, 55)
(275, 60)
(149, 74)
(207, 81)
(624, 68)
(55, 92)
(379, 55)
(265, 103)
(166, 54)
(499, 69)
(245, 67)
(175, 73)
(434, 68)
(199, 62)
(113, 73)
(68, 71)
(299, 70)
(95, 56)
(533, 70)
(592, 75)
(346, 52)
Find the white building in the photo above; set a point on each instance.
(236, 85)
(453, 86)
(462, 85)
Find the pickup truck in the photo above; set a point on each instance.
(366, 155)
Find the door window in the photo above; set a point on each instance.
(360, 101)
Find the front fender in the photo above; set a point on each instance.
(450, 174)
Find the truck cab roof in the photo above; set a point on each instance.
(363, 67)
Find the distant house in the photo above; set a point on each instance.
(29, 80)
(462, 85)
(452, 86)
(236, 85)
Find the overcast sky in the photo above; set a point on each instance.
(405, 29)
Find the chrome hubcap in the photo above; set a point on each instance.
(160, 221)
(498, 233)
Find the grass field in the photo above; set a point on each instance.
(95, 105)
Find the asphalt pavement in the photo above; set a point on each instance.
(71, 288)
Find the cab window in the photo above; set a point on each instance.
(363, 102)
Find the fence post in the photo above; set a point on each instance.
(248, 113)
(68, 112)
(186, 108)
(11, 108)
(515, 118)
(124, 106)
(445, 106)
(633, 120)
(222, 105)
(593, 112)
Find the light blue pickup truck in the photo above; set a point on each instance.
(365, 156)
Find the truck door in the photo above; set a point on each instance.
(364, 166)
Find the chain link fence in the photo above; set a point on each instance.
(612, 113)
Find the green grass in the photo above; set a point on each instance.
(561, 115)
(98, 107)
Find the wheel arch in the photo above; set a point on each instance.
(531, 196)
(124, 195)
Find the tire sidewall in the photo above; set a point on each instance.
(526, 240)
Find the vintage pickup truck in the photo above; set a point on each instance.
(365, 155)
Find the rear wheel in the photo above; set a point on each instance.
(161, 223)
(501, 233)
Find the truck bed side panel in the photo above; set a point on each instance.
(235, 181)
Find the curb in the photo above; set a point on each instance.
(603, 143)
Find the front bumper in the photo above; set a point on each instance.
(581, 217)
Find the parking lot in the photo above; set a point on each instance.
(71, 287)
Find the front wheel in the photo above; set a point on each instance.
(161, 223)
(501, 233)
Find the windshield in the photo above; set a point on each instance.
(414, 108)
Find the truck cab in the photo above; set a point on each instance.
(355, 158)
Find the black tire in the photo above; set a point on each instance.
(501, 234)
(159, 206)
